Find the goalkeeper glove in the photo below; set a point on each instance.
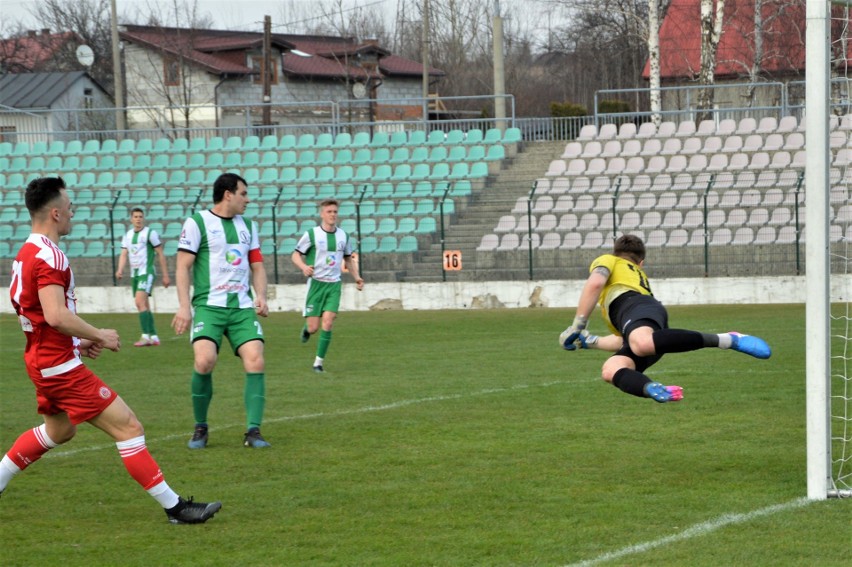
(572, 333)
(584, 339)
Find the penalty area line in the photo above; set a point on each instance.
(697, 530)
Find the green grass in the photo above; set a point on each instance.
(440, 438)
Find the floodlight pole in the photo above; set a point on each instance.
(116, 70)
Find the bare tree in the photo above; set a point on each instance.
(654, 59)
(711, 34)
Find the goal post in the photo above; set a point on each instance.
(827, 412)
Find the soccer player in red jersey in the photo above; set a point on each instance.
(68, 393)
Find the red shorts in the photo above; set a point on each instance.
(78, 392)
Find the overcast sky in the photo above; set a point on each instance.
(226, 14)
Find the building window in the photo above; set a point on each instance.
(7, 133)
(171, 71)
(88, 98)
(257, 67)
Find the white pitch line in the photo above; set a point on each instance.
(367, 409)
(695, 531)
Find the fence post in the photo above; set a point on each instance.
(799, 184)
(358, 225)
(529, 227)
(614, 204)
(707, 228)
(443, 242)
(112, 236)
(275, 232)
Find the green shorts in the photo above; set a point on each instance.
(239, 325)
(322, 297)
(142, 283)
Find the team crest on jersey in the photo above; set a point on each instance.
(330, 261)
(198, 327)
(245, 238)
(104, 392)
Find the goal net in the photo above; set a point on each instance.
(828, 248)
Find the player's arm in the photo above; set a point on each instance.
(260, 284)
(58, 316)
(164, 268)
(122, 262)
(299, 260)
(592, 290)
(351, 263)
(183, 281)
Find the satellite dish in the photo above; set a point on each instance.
(85, 55)
(359, 90)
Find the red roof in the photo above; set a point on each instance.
(30, 52)
(222, 52)
(783, 39)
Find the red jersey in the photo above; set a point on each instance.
(40, 263)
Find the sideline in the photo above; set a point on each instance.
(695, 531)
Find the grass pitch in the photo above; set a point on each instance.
(439, 438)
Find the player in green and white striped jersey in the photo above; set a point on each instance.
(140, 246)
(219, 257)
(321, 254)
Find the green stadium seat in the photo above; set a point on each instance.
(53, 165)
(268, 175)
(342, 157)
(345, 191)
(145, 145)
(179, 146)
(175, 195)
(269, 142)
(360, 140)
(342, 140)
(476, 153)
(437, 154)
(250, 159)
(460, 171)
(426, 225)
(73, 147)
(216, 144)
(102, 196)
(306, 157)
(308, 210)
(108, 146)
(324, 140)
(124, 162)
(18, 164)
(233, 144)
(38, 148)
(307, 192)
(422, 189)
(403, 189)
(440, 171)
(324, 157)
(288, 245)
(306, 175)
(288, 157)
(233, 160)
(36, 164)
(406, 225)
(170, 247)
(6, 250)
(457, 153)
(98, 230)
(106, 162)
(126, 146)
(383, 172)
(400, 155)
(56, 147)
(306, 141)
(87, 179)
(420, 154)
(75, 249)
(368, 208)
(369, 244)
(383, 190)
(455, 137)
(348, 224)
(344, 174)
(21, 149)
(288, 142)
(384, 207)
(161, 146)
(495, 152)
(401, 172)
(424, 207)
(159, 178)
(8, 214)
(461, 188)
(142, 162)
(478, 170)
(379, 139)
(287, 209)
(177, 177)
(398, 138)
(326, 191)
(473, 136)
(436, 138)
(416, 137)
(196, 161)
(251, 175)
(95, 249)
(325, 174)
(215, 160)
(492, 136)
(6, 148)
(380, 156)
(368, 225)
(363, 173)
(172, 230)
(100, 213)
(387, 245)
(142, 178)
(407, 244)
(251, 143)
(386, 226)
(512, 136)
(288, 227)
(404, 207)
(288, 175)
(269, 159)
(362, 156)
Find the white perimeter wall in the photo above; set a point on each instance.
(479, 295)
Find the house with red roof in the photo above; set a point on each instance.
(217, 76)
(776, 50)
(39, 51)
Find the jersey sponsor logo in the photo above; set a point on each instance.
(104, 392)
(330, 261)
(233, 257)
(231, 287)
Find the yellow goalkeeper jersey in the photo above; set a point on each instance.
(624, 276)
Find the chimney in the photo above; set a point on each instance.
(45, 31)
(31, 33)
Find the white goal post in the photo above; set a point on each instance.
(827, 474)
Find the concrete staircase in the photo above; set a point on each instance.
(479, 216)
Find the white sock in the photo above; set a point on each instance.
(318, 361)
(145, 337)
(163, 494)
(155, 338)
(8, 469)
(725, 340)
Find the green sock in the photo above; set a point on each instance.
(143, 322)
(255, 398)
(202, 394)
(152, 330)
(324, 341)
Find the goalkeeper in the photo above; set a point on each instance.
(640, 326)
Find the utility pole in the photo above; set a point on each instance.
(425, 45)
(499, 69)
(116, 70)
(266, 70)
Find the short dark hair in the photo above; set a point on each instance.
(631, 246)
(329, 202)
(42, 191)
(226, 182)
(137, 210)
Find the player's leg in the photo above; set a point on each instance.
(119, 422)
(206, 332)
(330, 307)
(32, 444)
(312, 310)
(246, 333)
